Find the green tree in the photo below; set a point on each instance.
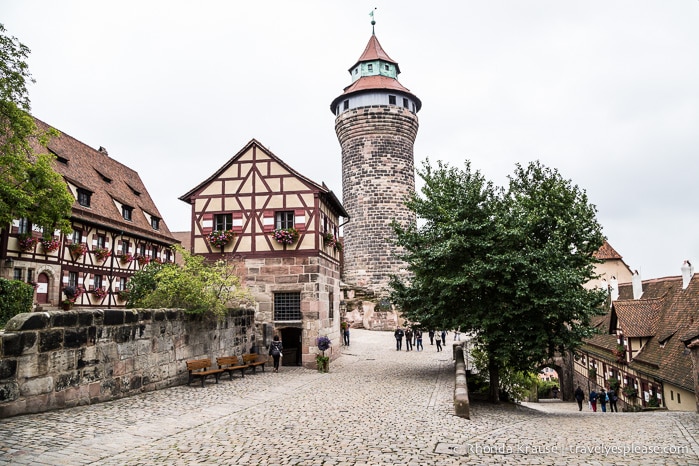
(197, 286)
(29, 187)
(508, 265)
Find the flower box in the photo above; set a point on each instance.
(100, 292)
(143, 260)
(49, 244)
(285, 235)
(101, 253)
(330, 241)
(220, 238)
(27, 242)
(77, 249)
(125, 258)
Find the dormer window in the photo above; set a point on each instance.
(370, 68)
(84, 197)
(155, 223)
(126, 212)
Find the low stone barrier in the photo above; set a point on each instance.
(461, 402)
(58, 359)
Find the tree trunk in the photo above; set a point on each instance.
(494, 373)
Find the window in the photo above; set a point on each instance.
(101, 241)
(678, 398)
(345, 105)
(122, 283)
(125, 246)
(17, 274)
(168, 255)
(287, 306)
(405, 102)
(77, 236)
(370, 67)
(98, 281)
(356, 70)
(143, 250)
(30, 275)
(73, 279)
(284, 219)
(387, 68)
(223, 222)
(392, 100)
(84, 197)
(25, 226)
(126, 212)
(154, 252)
(155, 223)
(331, 305)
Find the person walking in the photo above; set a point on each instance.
(418, 340)
(593, 400)
(439, 343)
(408, 339)
(345, 333)
(579, 397)
(275, 350)
(398, 334)
(612, 400)
(444, 338)
(431, 335)
(603, 399)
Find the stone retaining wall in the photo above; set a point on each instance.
(59, 359)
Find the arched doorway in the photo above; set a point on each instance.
(42, 288)
(291, 341)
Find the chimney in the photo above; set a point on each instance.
(687, 274)
(614, 288)
(103, 150)
(636, 285)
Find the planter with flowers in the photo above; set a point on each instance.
(71, 293)
(100, 293)
(27, 242)
(330, 240)
(125, 258)
(629, 391)
(323, 361)
(77, 250)
(49, 245)
(143, 260)
(101, 253)
(220, 238)
(285, 235)
(123, 295)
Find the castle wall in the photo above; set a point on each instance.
(60, 359)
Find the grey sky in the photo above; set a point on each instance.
(607, 92)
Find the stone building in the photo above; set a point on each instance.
(117, 229)
(282, 230)
(376, 124)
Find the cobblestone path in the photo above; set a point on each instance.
(377, 406)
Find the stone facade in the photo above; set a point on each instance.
(378, 174)
(316, 279)
(59, 359)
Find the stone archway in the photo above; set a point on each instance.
(563, 365)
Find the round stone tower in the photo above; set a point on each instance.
(376, 124)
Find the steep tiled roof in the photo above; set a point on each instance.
(638, 318)
(107, 180)
(606, 252)
(367, 83)
(374, 51)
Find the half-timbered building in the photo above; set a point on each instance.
(283, 230)
(117, 229)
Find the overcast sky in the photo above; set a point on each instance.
(607, 92)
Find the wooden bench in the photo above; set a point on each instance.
(254, 360)
(230, 364)
(202, 368)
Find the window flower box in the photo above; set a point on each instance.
(101, 253)
(143, 260)
(125, 258)
(49, 244)
(331, 241)
(285, 235)
(77, 250)
(220, 238)
(100, 292)
(27, 242)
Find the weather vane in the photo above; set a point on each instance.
(372, 21)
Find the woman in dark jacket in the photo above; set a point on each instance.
(275, 350)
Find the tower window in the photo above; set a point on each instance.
(392, 100)
(405, 102)
(345, 105)
(387, 68)
(370, 67)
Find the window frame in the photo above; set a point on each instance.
(287, 306)
(127, 212)
(284, 219)
(223, 222)
(84, 197)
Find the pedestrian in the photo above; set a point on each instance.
(555, 392)
(579, 397)
(444, 338)
(418, 340)
(612, 400)
(603, 400)
(345, 333)
(593, 400)
(275, 350)
(439, 344)
(457, 334)
(431, 334)
(399, 338)
(408, 339)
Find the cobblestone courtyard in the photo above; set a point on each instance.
(376, 406)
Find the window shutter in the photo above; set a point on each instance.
(207, 223)
(268, 221)
(300, 219)
(237, 222)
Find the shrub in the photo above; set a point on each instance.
(16, 297)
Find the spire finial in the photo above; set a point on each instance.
(372, 21)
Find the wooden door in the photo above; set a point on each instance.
(42, 289)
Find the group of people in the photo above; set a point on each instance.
(603, 398)
(413, 338)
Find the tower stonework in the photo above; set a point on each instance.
(376, 125)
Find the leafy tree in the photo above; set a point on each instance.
(197, 286)
(507, 265)
(29, 187)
